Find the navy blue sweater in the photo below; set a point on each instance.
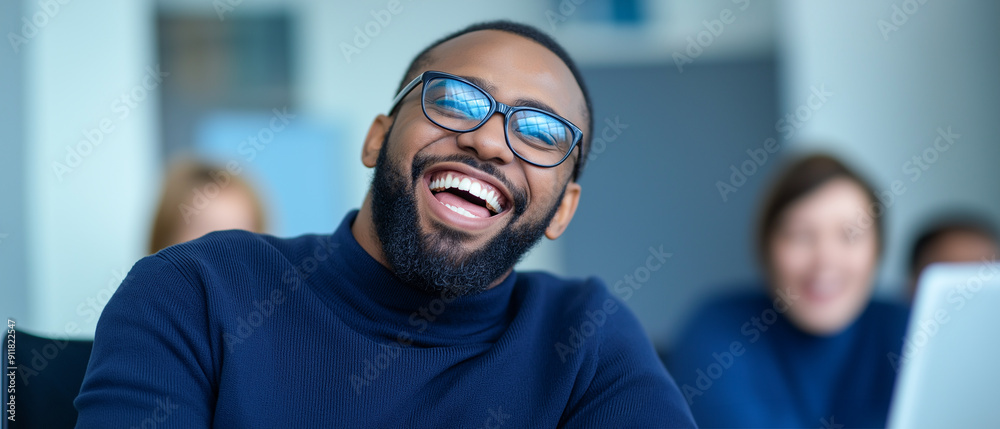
(243, 330)
(741, 363)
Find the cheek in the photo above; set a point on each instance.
(789, 261)
(412, 133)
(544, 187)
(861, 262)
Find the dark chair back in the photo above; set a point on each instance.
(49, 375)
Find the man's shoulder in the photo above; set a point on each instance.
(568, 293)
(582, 306)
(235, 244)
(230, 253)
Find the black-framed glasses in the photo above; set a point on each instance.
(538, 137)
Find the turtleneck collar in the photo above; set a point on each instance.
(370, 299)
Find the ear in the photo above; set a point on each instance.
(564, 214)
(373, 141)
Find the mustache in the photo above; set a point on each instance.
(422, 162)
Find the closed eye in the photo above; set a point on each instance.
(462, 109)
(456, 99)
(541, 131)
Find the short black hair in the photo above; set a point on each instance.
(528, 32)
(944, 224)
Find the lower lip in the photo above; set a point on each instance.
(447, 216)
(814, 295)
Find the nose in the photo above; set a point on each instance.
(488, 142)
(830, 250)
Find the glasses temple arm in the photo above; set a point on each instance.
(406, 90)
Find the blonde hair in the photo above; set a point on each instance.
(183, 178)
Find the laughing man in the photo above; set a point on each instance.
(410, 314)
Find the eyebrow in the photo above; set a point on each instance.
(520, 102)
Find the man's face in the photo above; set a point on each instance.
(441, 239)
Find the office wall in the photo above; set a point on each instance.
(86, 220)
(670, 137)
(13, 270)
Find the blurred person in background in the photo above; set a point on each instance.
(198, 198)
(958, 237)
(809, 349)
(410, 314)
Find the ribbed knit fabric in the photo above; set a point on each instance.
(243, 330)
(743, 364)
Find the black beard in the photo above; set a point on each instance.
(436, 263)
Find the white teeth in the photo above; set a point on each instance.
(476, 188)
(491, 201)
(461, 211)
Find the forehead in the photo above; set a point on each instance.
(516, 67)
(963, 239)
(833, 201)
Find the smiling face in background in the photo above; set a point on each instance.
(820, 261)
(441, 238)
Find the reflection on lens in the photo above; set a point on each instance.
(456, 105)
(539, 137)
(534, 135)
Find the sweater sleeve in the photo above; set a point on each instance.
(151, 364)
(630, 387)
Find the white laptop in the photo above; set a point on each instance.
(949, 371)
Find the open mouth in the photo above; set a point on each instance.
(466, 195)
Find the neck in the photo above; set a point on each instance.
(364, 232)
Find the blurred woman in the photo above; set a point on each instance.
(810, 348)
(199, 198)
